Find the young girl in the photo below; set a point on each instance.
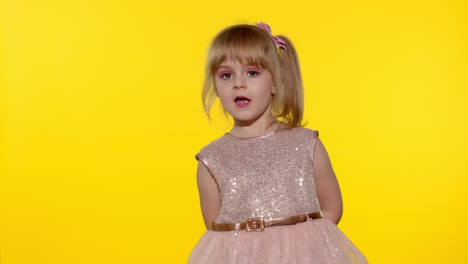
(268, 192)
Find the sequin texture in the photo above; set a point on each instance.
(249, 188)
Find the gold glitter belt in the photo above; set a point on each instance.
(259, 224)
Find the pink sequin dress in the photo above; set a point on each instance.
(269, 177)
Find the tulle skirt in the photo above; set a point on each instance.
(315, 241)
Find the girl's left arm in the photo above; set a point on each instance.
(326, 184)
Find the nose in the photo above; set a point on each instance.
(239, 83)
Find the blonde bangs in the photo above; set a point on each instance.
(246, 44)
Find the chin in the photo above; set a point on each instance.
(246, 116)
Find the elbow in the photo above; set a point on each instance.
(338, 216)
(333, 215)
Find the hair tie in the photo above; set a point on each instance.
(279, 42)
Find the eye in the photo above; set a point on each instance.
(253, 73)
(225, 75)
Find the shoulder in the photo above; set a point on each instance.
(302, 132)
(305, 137)
(309, 132)
(211, 149)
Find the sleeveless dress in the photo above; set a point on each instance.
(269, 177)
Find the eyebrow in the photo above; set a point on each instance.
(222, 68)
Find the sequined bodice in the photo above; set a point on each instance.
(269, 176)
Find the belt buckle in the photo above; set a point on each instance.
(255, 224)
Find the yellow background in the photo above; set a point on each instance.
(101, 118)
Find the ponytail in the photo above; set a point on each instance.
(289, 99)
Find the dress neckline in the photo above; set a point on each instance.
(257, 137)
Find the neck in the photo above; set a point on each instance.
(255, 129)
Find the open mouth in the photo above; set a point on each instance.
(242, 101)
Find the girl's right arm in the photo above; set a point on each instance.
(210, 202)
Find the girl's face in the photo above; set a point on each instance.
(245, 91)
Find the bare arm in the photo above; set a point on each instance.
(328, 189)
(209, 195)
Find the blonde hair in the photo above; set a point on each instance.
(252, 45)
